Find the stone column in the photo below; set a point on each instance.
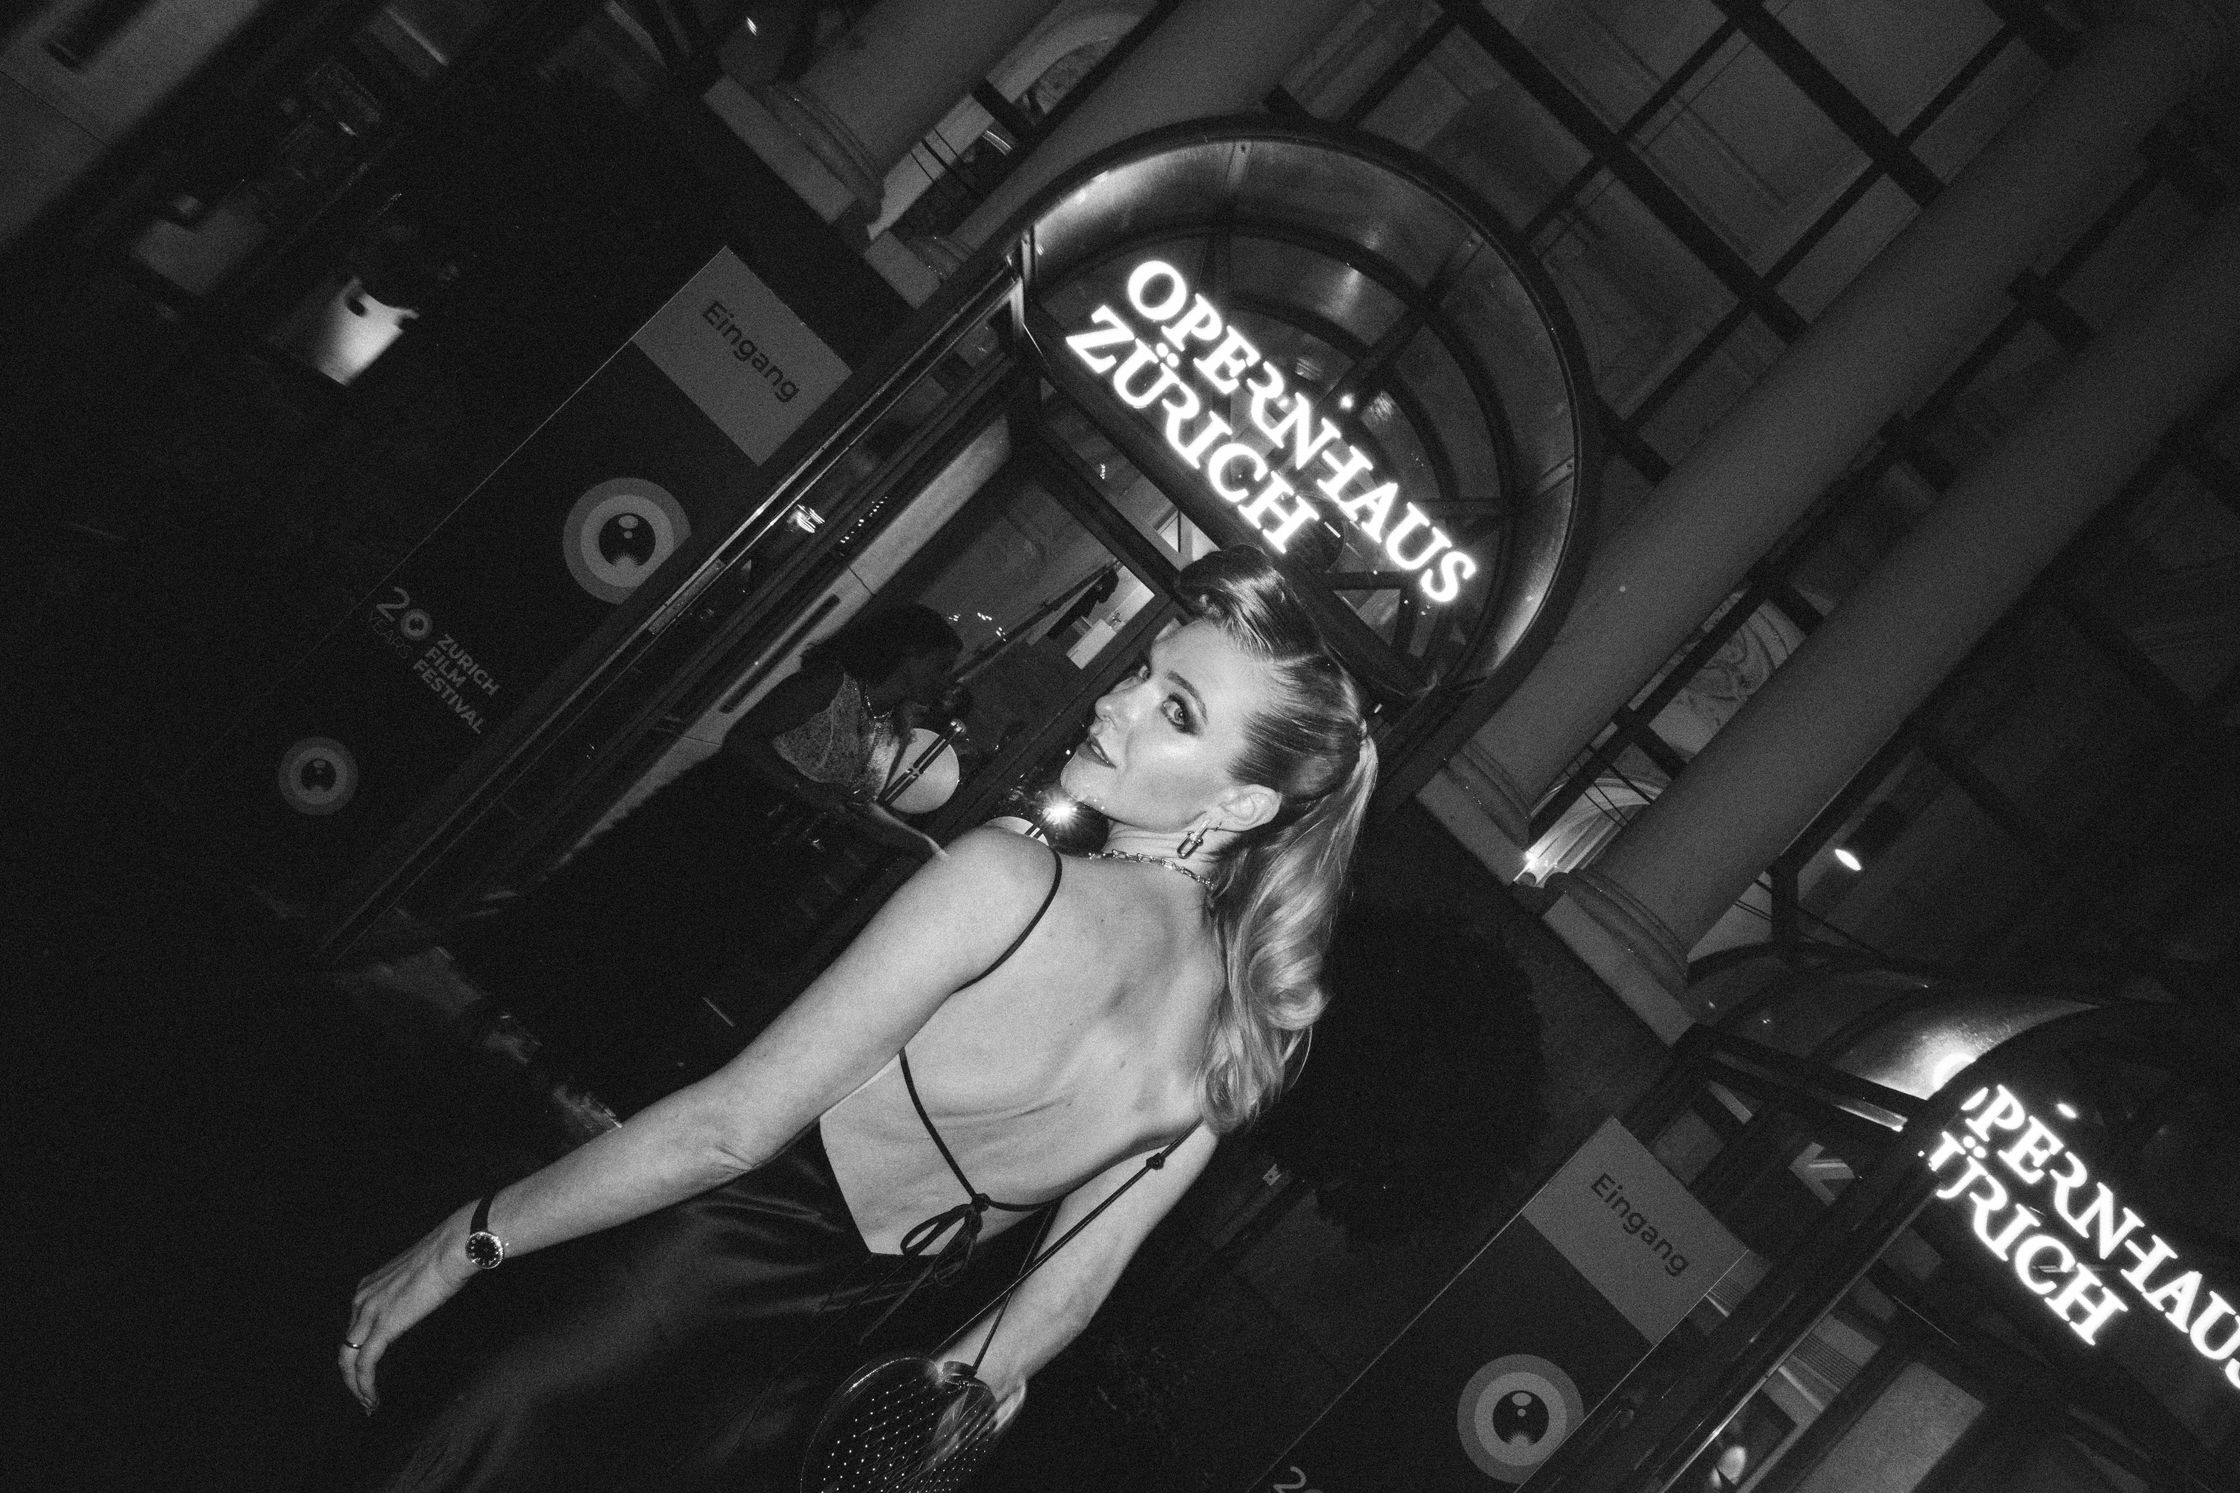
(882, 86)
(1210, 57)
(1873, 352)
(1683, 860)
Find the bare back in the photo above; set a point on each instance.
(1079, 1050)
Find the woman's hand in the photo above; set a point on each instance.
(950, 1432)
(400, 1293)
(1009, 1399)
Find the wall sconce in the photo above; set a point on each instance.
(1875, 832)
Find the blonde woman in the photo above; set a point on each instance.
(1012, 1025)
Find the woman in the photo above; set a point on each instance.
(610, 955)
(834, 731)
(1063, 1019)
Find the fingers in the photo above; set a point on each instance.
(346, 1360)
(1009, 1402)
(354, 1358)
(354, 1339)
(390, 1300)
(369, 1356)
(958, 1420)
(385, 1306)
(358, 1364)
(370, 1335)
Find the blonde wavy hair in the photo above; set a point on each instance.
(1278, 888)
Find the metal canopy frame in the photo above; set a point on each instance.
(1650, 1447)
(1222, 182)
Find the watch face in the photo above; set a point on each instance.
(485, 1250)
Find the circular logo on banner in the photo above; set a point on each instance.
(318, 775)
(1514, 1413)
(618, 533)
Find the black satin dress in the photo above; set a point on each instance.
(690, 1349)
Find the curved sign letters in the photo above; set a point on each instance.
(2034, 1205)
(1177, 361)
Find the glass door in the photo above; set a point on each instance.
(973, 502)
(1054, 599)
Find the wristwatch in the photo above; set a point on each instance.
(485, 1250)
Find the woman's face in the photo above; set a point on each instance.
(1161, 744)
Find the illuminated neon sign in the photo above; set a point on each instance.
(1144, 370)
(2049, 1266)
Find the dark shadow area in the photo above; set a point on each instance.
(1421, 1104)
(211, 1144)
(217, 1138)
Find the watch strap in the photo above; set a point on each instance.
(481, 1221)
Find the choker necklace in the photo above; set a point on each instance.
(1152, 860)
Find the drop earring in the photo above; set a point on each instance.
(1191, 842)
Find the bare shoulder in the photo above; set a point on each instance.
(997, 863)
(939, 932)
(987, 880)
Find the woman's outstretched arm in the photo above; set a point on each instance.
(933, 935)
(1058, 1300)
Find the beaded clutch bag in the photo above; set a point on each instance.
(903, 1423)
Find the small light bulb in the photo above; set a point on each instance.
(1849, 859)
(2065, 1109)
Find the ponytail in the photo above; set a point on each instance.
(1278, 888)
(1275, 904)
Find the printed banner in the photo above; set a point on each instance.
(1497, 1372)
(742, 355)
(661, 445)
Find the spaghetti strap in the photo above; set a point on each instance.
(968, 1213)
(1057, 874)
(980, 1200)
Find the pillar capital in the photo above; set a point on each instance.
(1208, 57)
(828, 138)
(1627, 948)
(836, 132)
(1495, 793)
(1629, 920)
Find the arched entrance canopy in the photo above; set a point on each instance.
(1313, 342)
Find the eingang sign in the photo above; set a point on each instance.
(2045, 1260)
(1549, 1316)
(1145, 372)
